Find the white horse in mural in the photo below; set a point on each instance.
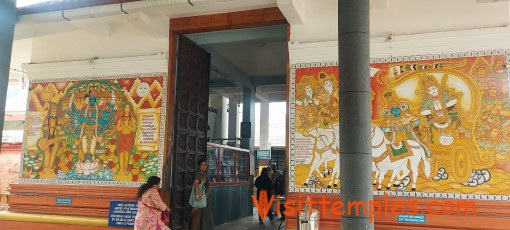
(379, 147)
(326, 149)
(404, 171)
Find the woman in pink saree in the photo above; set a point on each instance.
(150, 206)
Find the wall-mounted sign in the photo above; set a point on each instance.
(264, 154)
(406, 218)
(122, 213)
(64, 201)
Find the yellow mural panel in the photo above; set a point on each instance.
(94, 131)
(439, 124)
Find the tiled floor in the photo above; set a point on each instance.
(251, 223)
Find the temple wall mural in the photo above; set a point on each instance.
(100, 131)
(440, 126)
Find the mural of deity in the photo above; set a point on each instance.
(400, 123)
(91, 130)
(49, 143)
(439, 106)
(327, 98)
(495, 139)
(126, 128)
(88, 120)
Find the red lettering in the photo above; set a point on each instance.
(429, 208)
(395, 206)
(289, 208)
(372, 209)
(412, 207)
(336, 208)
(443, 208)
(351, 204)
(324, 203)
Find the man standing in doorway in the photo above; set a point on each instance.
(279, 190)
(274, 174)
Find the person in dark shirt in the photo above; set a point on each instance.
(279, 189)
(263, 182)
(274, 172)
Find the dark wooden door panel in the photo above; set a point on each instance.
(190, 130)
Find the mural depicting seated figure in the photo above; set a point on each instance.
(439, 106)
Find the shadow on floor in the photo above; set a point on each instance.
(252, 223)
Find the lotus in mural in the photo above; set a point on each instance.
(87, 168)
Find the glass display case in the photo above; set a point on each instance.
(212, 163)
(242, 166)
(228, 164)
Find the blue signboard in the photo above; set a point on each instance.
(122, 214)
(64, 201)
(406, 218)
(264, 154)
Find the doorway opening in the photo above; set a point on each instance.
(248, 64)
(243, 61)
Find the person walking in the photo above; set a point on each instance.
(263, 182)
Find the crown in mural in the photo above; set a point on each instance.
(390, 98)
(48, 93)
(307, 80)
(428, 81)
(325, 77)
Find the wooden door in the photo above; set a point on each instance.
(190, 125)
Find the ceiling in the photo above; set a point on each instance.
(255, 57)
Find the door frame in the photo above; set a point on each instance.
(208, 23)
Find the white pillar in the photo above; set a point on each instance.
(224, 119)
(216, 102)
(233, 122)
(264, 126)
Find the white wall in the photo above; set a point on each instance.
(21, 53)
(125, 41)
(403, 17)
(419, 27)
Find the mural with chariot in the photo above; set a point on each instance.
(94, 131)
(440, 124)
